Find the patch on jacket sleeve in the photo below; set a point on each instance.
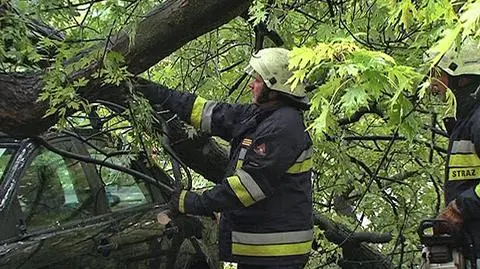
(246, 142)
(261, 149)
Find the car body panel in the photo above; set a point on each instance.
(121, 232)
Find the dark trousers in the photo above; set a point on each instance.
(251, 266)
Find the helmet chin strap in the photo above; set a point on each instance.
(467, 96)
(476, 93)
(264, 96)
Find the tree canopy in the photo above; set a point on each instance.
(379, 141)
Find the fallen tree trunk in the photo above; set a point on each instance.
(20, 114)
(356, 252)
(170, 26)
(163, 30)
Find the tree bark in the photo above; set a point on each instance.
(163, 30)
(170, 26)
(20, 114)
(356, 252)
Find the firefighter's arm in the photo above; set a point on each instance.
(268, 157)
(214, 118)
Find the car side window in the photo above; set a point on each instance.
(5, 157)
(54, 190)
(123, 190)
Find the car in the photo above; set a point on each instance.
(65, 202)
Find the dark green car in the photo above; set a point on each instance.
(62, 212)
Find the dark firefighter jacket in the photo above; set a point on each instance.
(463, 172)
(265, 198)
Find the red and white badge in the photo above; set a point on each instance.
(261, 149)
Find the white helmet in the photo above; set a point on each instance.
(272, 65)
(463, 60)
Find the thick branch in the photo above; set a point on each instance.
(372, 109)
(20, 114)
(170, 26)
(356, 253)
(164, 30)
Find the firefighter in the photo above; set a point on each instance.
(266, 195)
(459, 70)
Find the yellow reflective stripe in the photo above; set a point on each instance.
(271, 250)
(181, 202)
(477, 190)
(240, 191)
(239, 164)
(241, 156)
(464, 160)
(197, 109)
(306, 154)
(301, 167)
(463, 173)
(250, 185)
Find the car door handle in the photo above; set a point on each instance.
(104, 246)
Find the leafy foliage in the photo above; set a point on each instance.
(379, 149)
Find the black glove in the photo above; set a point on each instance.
(157, 94)
(184, 202)
(174, 203)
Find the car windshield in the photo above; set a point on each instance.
(5, 158)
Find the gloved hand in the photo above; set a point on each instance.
(157, 94)
(176, 203)
(452, 220)
(184, 202)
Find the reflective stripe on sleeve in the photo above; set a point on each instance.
(240, 191)
(197, 110)
(181, 202)
(306, 154)
(297, 168)
(463, 163)
(245, 188)
(463, 146)
(303, 163)
(206, 125)
(464, 160)
(239, 164)
(272, 244)
(251, 185)
(477, 190)
(241, 157)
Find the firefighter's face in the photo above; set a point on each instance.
(256, 87)
(439, 83)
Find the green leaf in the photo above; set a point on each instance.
(353, 99)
